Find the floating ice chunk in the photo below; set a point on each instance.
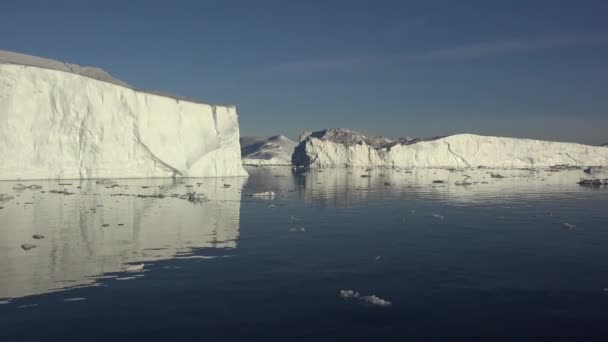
(125, 278)
(75, 299)
(27, 306)
(38, 237)
(19, 187)
(378, 258)
(134, 268)
(4, 302)
(5, 197)
(28, 246)
(376, 300)
(266, 194)
(298, 229)
(568, 225)
(348, 294)
(438, 216)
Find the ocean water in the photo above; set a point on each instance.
(519, 258)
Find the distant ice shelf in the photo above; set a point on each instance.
(276, 150)
(345, 148)
(62, 121)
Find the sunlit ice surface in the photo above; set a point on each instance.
(474, 253)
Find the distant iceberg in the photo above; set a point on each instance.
(276, 150)
(345, 148)
(63, 121)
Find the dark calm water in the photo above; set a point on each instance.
(522, 258)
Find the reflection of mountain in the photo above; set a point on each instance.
(279, 179)
(78, 247)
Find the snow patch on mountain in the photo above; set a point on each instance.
(276, 150)
(344, 148)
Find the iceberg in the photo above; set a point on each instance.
(276, 150)
(345, 148)
(62, 121)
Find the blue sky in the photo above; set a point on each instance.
(530, 68)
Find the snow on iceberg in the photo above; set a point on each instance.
(61, 121)
(275, 150)
(344, 148)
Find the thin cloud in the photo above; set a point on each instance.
(462, 52)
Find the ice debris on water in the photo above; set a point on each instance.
(438, 216)
(75, 299)
(568, 225)
(373, 299)
(19, 187)
(265, 194)
(3, 302)
(134, 268)
(347, 294)
(28, 246)
(5, 197)
(38, 237)
(378, 258)
(298, 229)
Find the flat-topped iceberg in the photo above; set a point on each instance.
(276, 150)
(344, 148)
(61, 121)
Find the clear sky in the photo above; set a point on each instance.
(517, 68)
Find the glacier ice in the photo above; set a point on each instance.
(60, 121)
(276, 150)
(344, 148)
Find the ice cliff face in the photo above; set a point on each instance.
(58, 124)
(337, 148)
(275, 150)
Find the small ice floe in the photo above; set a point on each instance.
(298, 230)
(272, 206)
(5, 197)
(437, 216)
(74, 299)
(124, 278)
(35, 187)
(134, 268)
(497, 175)
(265, 194)
(28, 246)
(19, 187)
(27, 306)
(347, 294)
(194, 197)
(4, 302)
(375, 300)
(38, 237)
(568, 225)
(378, 258)
(293, 218)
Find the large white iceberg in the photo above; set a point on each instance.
(60, 121)
(344, 148)
(276, 150)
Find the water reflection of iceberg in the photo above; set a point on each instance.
(352, 186)
(101, 228)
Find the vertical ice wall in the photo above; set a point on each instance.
(57, 124)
